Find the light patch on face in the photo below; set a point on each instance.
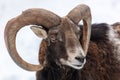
(72, 61)
(74, 64)
(78, 52)
(114, 38)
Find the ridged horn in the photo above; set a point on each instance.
(82, 12)
(34, 16)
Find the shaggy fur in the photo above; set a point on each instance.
(101, 63)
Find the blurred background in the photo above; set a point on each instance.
(28, 44)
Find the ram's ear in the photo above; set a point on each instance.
(39, 31)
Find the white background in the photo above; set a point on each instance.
(27, 43)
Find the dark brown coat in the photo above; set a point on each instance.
(101, 63)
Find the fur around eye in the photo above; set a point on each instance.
(53, 38)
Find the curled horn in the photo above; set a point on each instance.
(82, 12)
(40, 17)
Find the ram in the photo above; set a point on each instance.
(68, 51)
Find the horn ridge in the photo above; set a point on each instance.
(34, 16)
(82, 12)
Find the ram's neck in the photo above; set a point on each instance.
(51, 73)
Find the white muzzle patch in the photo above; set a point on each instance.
(73, 63)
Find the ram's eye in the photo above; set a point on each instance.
(53, 38)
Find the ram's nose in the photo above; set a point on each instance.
(80, 59)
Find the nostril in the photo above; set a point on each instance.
(81, 59)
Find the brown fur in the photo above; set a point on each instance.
(116, 27)
(42, 51)
(100, 65)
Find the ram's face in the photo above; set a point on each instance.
(64, 46)
(64, 42)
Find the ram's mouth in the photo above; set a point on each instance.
(74, 64)
(78, 65)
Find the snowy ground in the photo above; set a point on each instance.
(27, 43)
